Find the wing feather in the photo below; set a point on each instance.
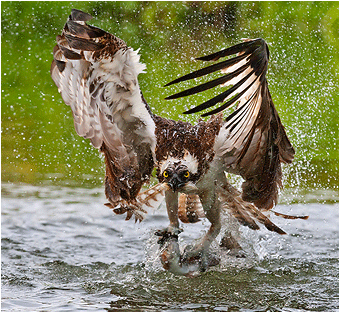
(210, 84)
(208, 69)
(246, 213)
(96, 74)
(252, 142)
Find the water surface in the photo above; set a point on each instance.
(62, 250)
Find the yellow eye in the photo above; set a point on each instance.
(165, 174)
(187, 174)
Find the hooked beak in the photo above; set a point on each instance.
(174, 183)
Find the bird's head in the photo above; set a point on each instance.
(179, 174)
(176, 176)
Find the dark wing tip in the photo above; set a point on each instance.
(69, 54)
(247, 47)
(86, 31)
(257, 53)
(272, 227)
(78, 15)
(172, 83)
(170, 97)
(291, 217)
(241, 47)
(191, 75)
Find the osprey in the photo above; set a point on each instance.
(97, 76)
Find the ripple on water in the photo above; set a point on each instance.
(59, 254)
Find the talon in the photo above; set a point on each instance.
(165, 237)
(229, 243)
(193, 256)
(241, 255)
(237, 253)
(190, 255)
(200, 257)
(171, 231)
(167, 233)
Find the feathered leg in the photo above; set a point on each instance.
(212, 209)
(172, 231)
(168, 239)
(196, 259)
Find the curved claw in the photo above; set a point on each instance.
(202, 258)
(165, 235)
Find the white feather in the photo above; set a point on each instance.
(188, 160)
(115, 99)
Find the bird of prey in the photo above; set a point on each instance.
(97, 76)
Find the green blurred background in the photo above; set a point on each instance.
(39, 144)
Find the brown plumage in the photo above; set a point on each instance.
(177, 138)
(190, 209)
(97, 76)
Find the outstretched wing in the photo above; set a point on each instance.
(252, 142)
(96, 74)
